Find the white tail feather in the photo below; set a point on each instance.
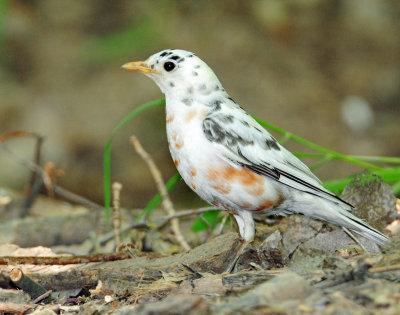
(331, 212)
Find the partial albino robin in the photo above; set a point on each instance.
(228, 159)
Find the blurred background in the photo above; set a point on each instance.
(328, 71)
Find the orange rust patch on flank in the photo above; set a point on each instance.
(246, 206)
(174, 136)
(194, 186)
(223, 189)
(229, 173)
(190, 115)
(176, 162)
(233, 212)
(269, 204)
(170, 119)
(193, 172)
(179, 144)
(257, 190)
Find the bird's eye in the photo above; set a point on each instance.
(169, 66)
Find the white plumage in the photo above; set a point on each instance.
(228, 159)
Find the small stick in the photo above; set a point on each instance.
(25, 283)
(166, 201)
(355, 239)
(70, 196)
(61, 260)
(42, 297)
(157, 221)
(14, 308)
(116, 188)
(384, 269)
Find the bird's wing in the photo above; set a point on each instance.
(242, 141)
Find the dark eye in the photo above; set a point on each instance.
(169, 66)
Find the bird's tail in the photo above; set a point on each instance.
(331, 212)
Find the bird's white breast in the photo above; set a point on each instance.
(204, 169)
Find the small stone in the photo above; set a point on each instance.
(373, 199)
(270, 253)
(286, 287)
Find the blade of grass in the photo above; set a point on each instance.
(376, 159)
(317, 147)
(396, 188)
(155, 201)
(107, 151)
(389, 175)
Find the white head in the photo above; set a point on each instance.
(178, 71)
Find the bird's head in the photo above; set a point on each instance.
(177, 71)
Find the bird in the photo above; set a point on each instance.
(225, 156)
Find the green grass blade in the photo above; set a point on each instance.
(389, 175)
(375, 159)
(155, 201)
(317, 147)
(107, 151)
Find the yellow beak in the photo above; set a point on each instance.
(138, 66)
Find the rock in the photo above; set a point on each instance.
(14, 296)
(299, 230)
(176, 304)
(270, 253)
(373, 199)
(286, 287)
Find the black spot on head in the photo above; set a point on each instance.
(152, 66)
(171, 84)
(195, 73)
(190, 56)
(187, 101)
(272, 144)
(197, 66)
(180, 60)
(258, 129)
(245, 123)
(216, 88)
(175, 57)
(157, 61)
(163, 54)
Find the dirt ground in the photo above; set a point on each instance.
(295, 265)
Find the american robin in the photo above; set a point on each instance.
(229, 159)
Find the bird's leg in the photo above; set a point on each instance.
(246, 226)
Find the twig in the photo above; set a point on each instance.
(43, 296)
(116, 187)
(30, 192)
(14, 308)
(58, 260)
(70, 196)
(384, 269)
(355, 239)
(158, 221)
(218, 230)
(166, 201)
